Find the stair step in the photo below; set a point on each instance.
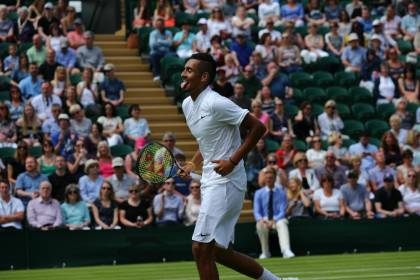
(112, 44)
(109, 37)
(134, 75)
(163, 118)
(169, 126)
(247, 205)
(125, 60)
(157, 109)
(145, 93)
(179, 136)
(148, 100)
(147, 83)
(138, 67)
(120, 52)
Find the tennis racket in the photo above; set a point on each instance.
(156, 164)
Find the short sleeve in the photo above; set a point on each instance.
(228, 112)
(19, 181)
(317, 194)
(339, 194)
(19, 206)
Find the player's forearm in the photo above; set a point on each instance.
(197, 158)
(256, 131)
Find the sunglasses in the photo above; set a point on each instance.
(411, 176)
(169, 183)
(194, 187)
(316, 141)
(168, 140)
(272, 162)
(106, 188)
(330, 107)
(72, 192)
(133, 191)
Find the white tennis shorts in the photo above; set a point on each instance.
(220, 208)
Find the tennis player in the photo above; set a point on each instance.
(214, 121)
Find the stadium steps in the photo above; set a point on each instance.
(157, 108)
(247, 213)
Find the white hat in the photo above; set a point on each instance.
(202, 21)
(64, 43)
(48, 5)
(117, 162)
(376, 22)
(63, 117)
(376, 37)
(353, 36)
(109, 67)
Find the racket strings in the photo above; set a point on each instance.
(156, 164)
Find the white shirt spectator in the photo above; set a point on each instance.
(310, 177)
(386, 87)
(328, 125)
(87, 97)
(203, 40)
(275, 34)
(12, 207)
(411, 199)
(329, 204)
(216, 26)
(315, 158)
(266, 10)
(43, 105)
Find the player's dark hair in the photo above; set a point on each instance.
(207, 64)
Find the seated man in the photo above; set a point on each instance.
(66, 56)
(270, 205)
(169, 140)
(61, 178)
(120, 180)
(43, 103)
(47, 69)
(365, 150)
(27, 183)
(11, 208)
(6, 26)
(356, 198)
(31, 85)
(377, 174)
(168, 207)
(185, 41)
(160, 41)
(388, 200)
(64, 139)
(38, 52)
(44, 212)
(338, 172)
(353, 55)
(113, 89)
(51, 125)
(90, 55)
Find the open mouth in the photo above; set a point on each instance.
(184, 85)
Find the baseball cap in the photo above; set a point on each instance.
(376, 37)
(202, 21)
(64, 43)
(351, 174)
(109, 67)
(376, 22)
(48, 5)
(388, 177)
(63, 117)
(353, 36)
(117, 162)
(78, 21)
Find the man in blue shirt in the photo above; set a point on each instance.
(160, 41)
(167, 206)
(410, 22)
(31, 85)
(278, 84)
(112, 88)
(185, 41)
(27, 183)
(66, 56)
(353, 55)
(242, 50)
(365, 150)
(270, 204)
(64, 140)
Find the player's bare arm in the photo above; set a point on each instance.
(255, 131)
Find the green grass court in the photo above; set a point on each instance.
(401, 266)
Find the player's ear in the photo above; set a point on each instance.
(205, 77)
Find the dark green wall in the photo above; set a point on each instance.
(32, 249)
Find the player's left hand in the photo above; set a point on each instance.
(223, 167)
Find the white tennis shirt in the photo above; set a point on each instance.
(214, 121)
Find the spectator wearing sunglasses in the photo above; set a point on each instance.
(193, 203)
(167, 206)
(411, 193)
(75, 211)
(104, 209)
(135, 212)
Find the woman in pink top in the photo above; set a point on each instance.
(105, 159)
(263, 117)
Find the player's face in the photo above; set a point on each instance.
(191, 75)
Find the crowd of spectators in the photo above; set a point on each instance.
(62, 100)
(257, 47)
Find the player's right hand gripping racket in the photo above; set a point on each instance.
(156, 164)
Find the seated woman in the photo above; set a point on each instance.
(164, 10)
(8, 135)
(105, 159)
(112, 125)
(16, 164)
(142, 14)
(334, 41)
(411, 193)
(328, 201)
(384, 87)
(315, 155)
(193, 203)
(267, 49)
(289, 55)
(404, 168)
(399, 132)
(46, 162)
(305, 124)
(74, 210)
(314, 45)
(135, 212)
(286, 153)
(363, 176)
(336, 146)
(391, 149)
(90, 183)
(29, 126)
(298, 202)
(272, 162)
(305, 174)
(263, 117)
(280, 123)
(104, 209)
(136, 127)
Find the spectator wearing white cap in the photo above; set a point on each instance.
(46, 20)
(90, 55)
(353, 55)
(387, 40)
(113, 89)
(269, 28)
(377, 45)
(90, 183)
(64, 139)
(120, 181)
(203, 36)
(66, 56)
